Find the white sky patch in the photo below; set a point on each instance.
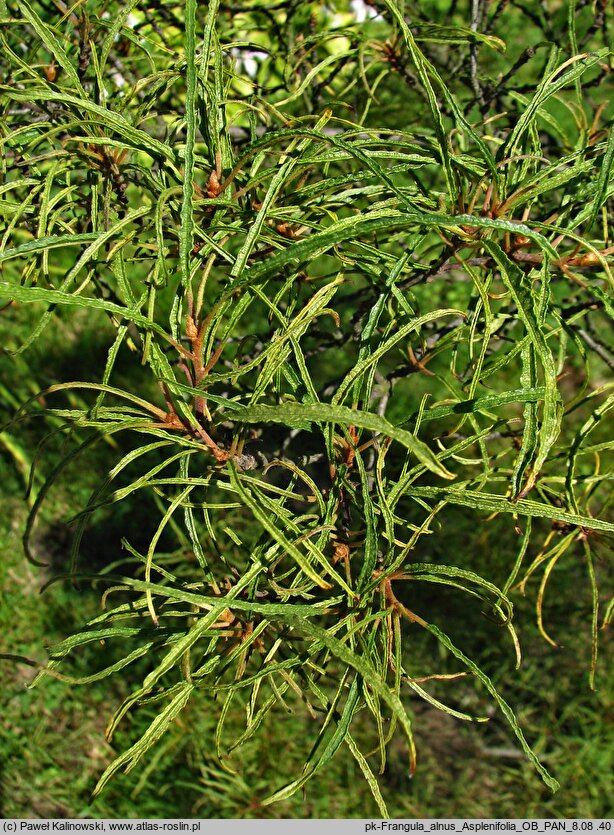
(247, 60)
(364, 12)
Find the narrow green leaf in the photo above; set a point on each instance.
(31, 295)
(277, 535)
(485, 403)
(157, 728)
(422, 69)
(553, 81)
(364, 668)
(604, 180)
(297, 414)
(48, 243)
(136, 138)
(368, 775)
(51, 42)
(323, 753)
(352, 228)
(503, 705)
(550, 427)
(487, 503)
(186, 231)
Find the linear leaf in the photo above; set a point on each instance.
(550, 427)
(297, 414)
(48, 243)
(132, 136)
(186, 231)
(503, 705)
(30, 295)
(157, 728)
(366, 671)
(490, 503)
(52, 43)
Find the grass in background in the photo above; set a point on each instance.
(350, 361)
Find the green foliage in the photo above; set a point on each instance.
(360, 277)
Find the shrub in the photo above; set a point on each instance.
(359, 274)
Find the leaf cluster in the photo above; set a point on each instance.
(343, 328)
